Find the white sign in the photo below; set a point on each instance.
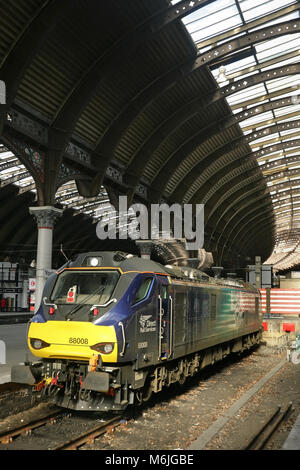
(2, 352)
(32, 282)
(2, 92)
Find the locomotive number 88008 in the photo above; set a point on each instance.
(113, 328)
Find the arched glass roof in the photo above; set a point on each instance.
(270, 108)
(207, 110)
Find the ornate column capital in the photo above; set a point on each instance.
(46, 216)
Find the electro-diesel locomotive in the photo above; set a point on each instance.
(113, 328)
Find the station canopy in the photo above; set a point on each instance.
(277, 122)
(199, 103)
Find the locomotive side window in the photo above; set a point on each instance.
(143, 290)
(180, 318)
(164, 292)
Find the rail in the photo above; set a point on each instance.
(263, 434)
(88, 437)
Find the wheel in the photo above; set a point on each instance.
(145, 393)
(182, 379)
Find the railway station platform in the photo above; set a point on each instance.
(7, 318)
(293, 440)
(13, 345)
(12, 338)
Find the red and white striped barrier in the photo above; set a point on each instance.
(282, 301)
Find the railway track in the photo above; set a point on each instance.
(7, 437)
(81, 429)
(264, 433)
(89, 436)
(10, 387)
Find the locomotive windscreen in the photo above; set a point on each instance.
(73, 287)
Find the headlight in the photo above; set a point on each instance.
(38, 343)
(103, 348)
(93, 261)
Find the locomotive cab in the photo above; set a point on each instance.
(90, 331)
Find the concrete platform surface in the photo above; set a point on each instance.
(13, 348)
(8, 318)
(293, 440)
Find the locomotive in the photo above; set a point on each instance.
(113, 328)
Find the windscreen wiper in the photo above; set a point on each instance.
(103, 305)
(77, 307)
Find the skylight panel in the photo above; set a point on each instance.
(206, 11)
(216, 28)
(281, 19)
(4, 155)
(212, 19)
(289, 118)
(237, 66)
(255, 143)
(277, 157)
(202, 21)
(292, 60)
(278, 46)
(283, 82)
(256, 119)
(10, 171)
(293, 153)
(284, 41)
(287, 132)
(286, 110)
(283, 205)
(252, 10)
(24, 181)
(241, 64)
(294, 94)
(243, 95)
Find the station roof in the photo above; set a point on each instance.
(183, 101)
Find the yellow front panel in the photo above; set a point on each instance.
(72, 340)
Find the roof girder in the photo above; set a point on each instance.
(262, 229)
(178, 156)
(143, 156)
(240, 214)
(261, 220)
(239, 225)
(190, 177)
(248, 191)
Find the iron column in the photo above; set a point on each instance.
(46, 217)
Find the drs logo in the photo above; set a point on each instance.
(78, 341)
